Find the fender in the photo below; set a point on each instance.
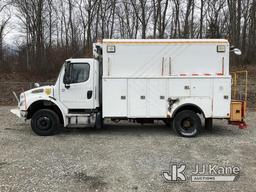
(185, 103)
(48, 102)
(189, 106)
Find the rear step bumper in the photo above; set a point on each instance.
(241, 125)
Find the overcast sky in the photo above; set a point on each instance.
(13, 30)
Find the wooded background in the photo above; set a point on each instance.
(54, 30)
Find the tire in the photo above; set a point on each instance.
(187, 123)
(45, 122)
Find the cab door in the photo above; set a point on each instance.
(78, 94)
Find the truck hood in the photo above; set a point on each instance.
(32, 95)
(44, 90)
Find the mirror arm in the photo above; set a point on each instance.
(67, 86)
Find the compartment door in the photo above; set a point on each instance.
(179, 88)
(114, 98)
(137, 98)
(201, 88)
(221, 98)
(158, 105)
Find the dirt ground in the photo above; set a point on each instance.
(121, 157)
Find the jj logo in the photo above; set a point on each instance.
(176, 173)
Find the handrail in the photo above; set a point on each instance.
(235, 78)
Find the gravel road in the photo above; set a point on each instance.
(121, 157)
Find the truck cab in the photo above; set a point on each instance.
(72, 101)
(77, 85)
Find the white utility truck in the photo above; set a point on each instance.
(175, 81)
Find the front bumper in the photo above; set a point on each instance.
(19, 113)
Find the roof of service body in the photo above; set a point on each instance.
(163, 41)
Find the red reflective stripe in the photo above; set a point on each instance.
(220, 74)
(194, 74)
(183, 74)
(207, 74)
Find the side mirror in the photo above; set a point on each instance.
(66, 79)
(67, 75)
(237, 51)
(36, 85)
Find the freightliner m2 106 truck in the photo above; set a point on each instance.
(178, 82)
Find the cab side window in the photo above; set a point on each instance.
(80, 72)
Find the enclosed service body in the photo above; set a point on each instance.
(140, 77)
(143, 80)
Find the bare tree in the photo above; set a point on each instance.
(177, 30)
(252, 32)
(214, 8)
(143, 12)
(245, 13)
(159, 19)
(201, 18)
(238, 27)
(189, 4)
(90, 8)
(3, 23)
(128, 20)
(232, 5)
(31, 14)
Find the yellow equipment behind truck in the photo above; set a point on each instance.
(239, 98)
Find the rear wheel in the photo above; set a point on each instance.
(187, 123)
(45, 122)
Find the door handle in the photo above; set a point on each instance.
(186, 87)
(89, 94)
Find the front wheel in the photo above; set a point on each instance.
(187, 123)
(45, 122)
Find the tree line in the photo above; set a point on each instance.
(53, 30)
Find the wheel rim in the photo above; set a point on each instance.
(44, 123)
(187, 125)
